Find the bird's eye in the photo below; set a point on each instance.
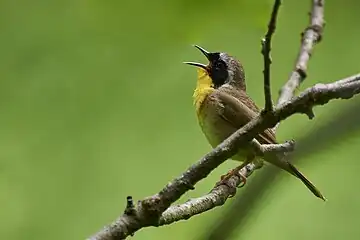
(219, 65)
(219, 73)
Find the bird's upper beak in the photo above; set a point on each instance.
(203, 51)
(207, 55)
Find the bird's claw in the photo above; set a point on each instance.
(234, 172)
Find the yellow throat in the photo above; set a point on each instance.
(204, 87)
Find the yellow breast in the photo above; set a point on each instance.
(203, 88)
(213, 126)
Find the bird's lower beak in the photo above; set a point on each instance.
(200, 65)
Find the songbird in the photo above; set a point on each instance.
(223, 106)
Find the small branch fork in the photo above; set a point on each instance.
(156, 210)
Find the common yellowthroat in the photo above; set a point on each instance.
(223, 106)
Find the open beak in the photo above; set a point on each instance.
(200, 65)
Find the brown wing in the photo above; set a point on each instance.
(238, 114)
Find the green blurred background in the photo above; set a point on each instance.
(95, 105)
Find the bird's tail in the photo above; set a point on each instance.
(281, 162)
(308, 184)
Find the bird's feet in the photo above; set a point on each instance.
(234, 172)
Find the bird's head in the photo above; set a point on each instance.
(222, 69)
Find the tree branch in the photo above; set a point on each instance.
(265, 50)
(156, 210)
(215, 198)
(149, 211)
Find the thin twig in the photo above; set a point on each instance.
(261, 149)
(148, 212)
(265, 50)
(311, 36)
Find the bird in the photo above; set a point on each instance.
(223, 106)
